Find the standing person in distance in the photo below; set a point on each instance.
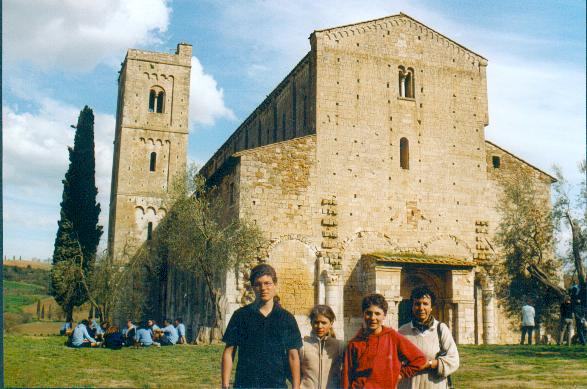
(579, 312)
(528, 314)
(566, 321)
(378, 356)
(267, 339)
(321, 354)
(434, 339)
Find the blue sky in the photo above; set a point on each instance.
(61, 55)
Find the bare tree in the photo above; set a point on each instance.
(526, 237)
(572, 213)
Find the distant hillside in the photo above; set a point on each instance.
(23, 287)
(31, 275)
(27, 264)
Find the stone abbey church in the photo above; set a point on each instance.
(367, 168)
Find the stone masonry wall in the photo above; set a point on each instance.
(286, 113)
(361, 119)
(138, 193)
(507, 330)
(325, 200)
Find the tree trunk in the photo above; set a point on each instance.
(541, 277)
(575, 231)
(68, 310)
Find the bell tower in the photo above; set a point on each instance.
(150, 144)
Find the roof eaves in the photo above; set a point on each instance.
(553, 179)
(401, 14)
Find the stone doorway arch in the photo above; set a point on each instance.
(415, 277)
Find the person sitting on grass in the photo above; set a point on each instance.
(129, 333)
(170, 336)
(81, 337)
(93, 327)
(67, 328)
(113, 338)
(154, 328)
(373, 358)
(143, 337)
(101, 330)
(180, 331)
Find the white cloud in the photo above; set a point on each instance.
(206, 99)
(79, 34)
(35, 159)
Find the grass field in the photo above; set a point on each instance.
(43, 361)
(17, 295)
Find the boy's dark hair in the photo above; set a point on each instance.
(168, 321)
(85, 322)
(423, 291)
(263, 270)
(179, 320)
(374, 299)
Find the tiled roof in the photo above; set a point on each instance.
(418, 259)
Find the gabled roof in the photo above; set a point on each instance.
(552, 179)
(383, 20)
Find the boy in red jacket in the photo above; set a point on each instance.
(372, 357)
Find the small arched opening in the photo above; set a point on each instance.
(153, 162)
(404, 153)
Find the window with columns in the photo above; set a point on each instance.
(156, 100)
(406, 82)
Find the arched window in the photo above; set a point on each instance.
(160, 102)
(153, 162)
(156, 99)
(404, 153)
(406, 82)
(149, 230)
(152, 98)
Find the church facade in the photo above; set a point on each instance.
(368, 170)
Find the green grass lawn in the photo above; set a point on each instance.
(20, 294)
(43, 361)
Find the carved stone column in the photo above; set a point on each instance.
(488, 311)
(334, 297)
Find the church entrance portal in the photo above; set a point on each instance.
(415, 277)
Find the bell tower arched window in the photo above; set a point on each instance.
(406, 82)
(404, 153)
(153, 162)
(156, 99)
(160, 102)
(152, 98)
(150, 231)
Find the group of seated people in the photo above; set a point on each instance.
(88, 333)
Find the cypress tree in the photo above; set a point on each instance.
(78, 232)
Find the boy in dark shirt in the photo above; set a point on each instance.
(266, 336)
